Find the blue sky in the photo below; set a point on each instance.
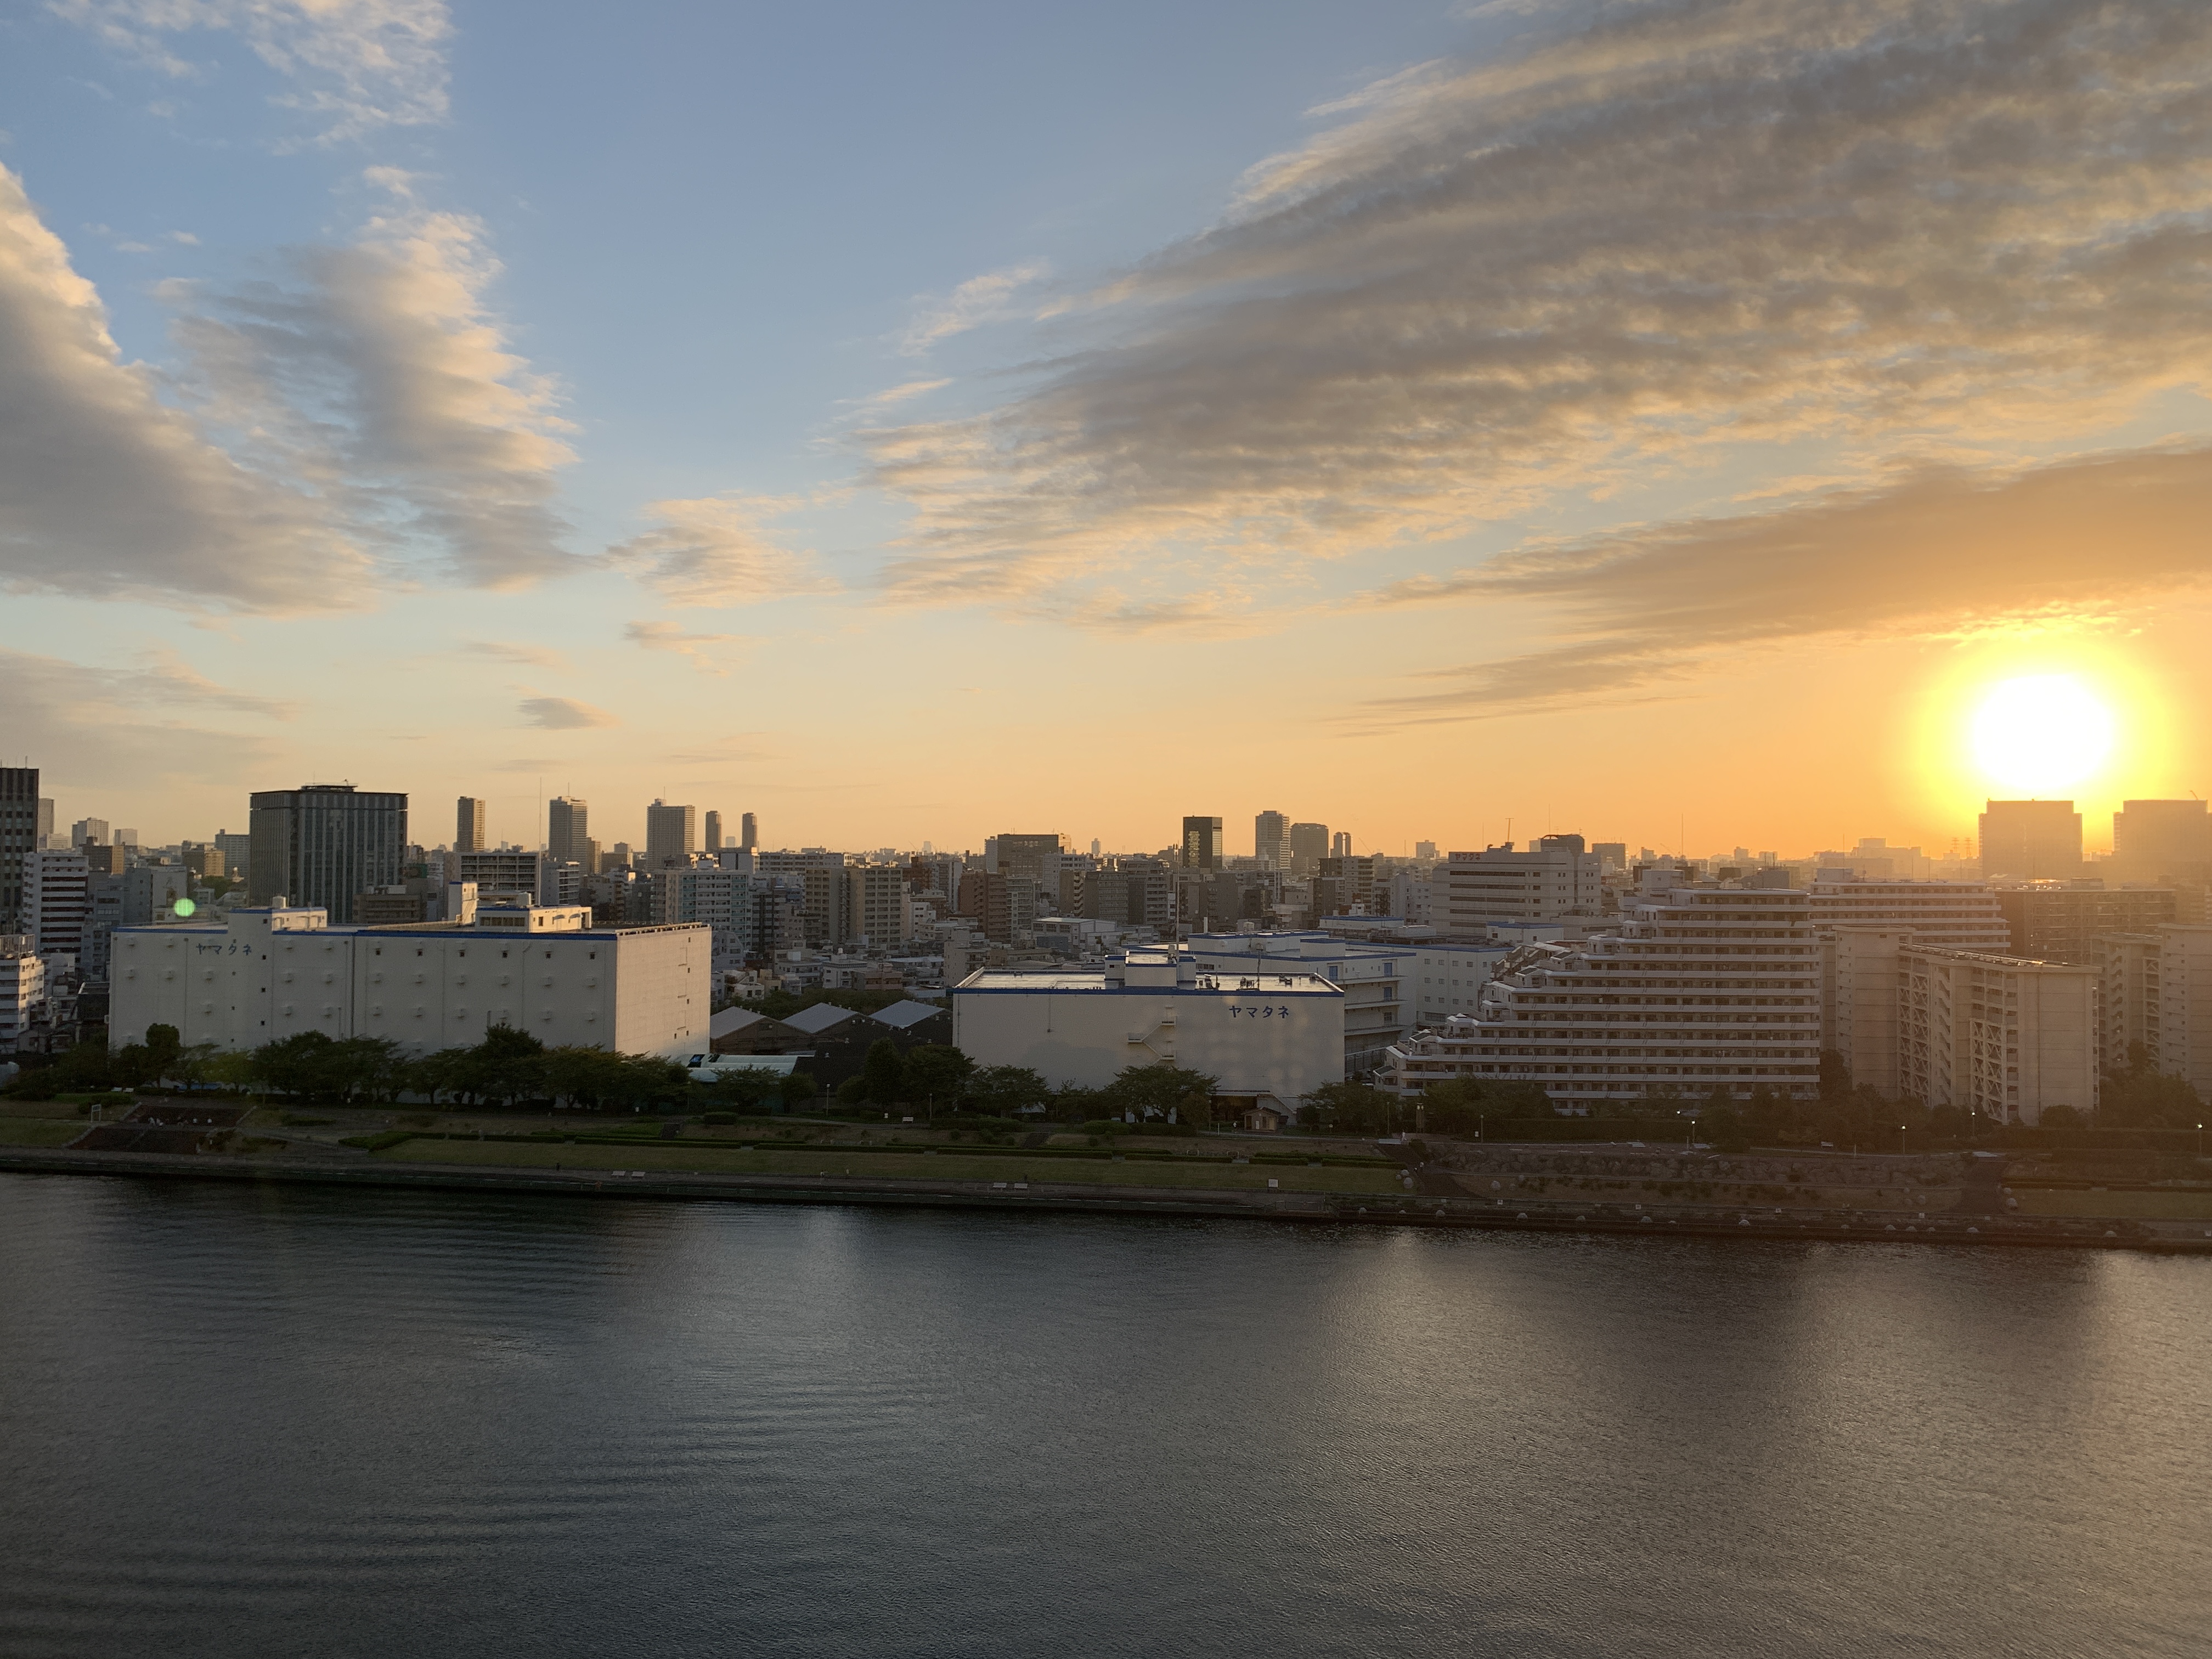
(916, 422)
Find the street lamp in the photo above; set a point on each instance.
(1901, 1140)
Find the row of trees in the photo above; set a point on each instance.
(939, 1079)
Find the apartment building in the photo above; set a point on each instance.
(2061, 921)
(2002, 1036)
(1959, 915)
(56, 893)
(1558, 877)
(2156, 990)
(22, 987)
(1698, 988)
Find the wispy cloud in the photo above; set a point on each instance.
(536, 656)
(671, 636)
(1691, 226)
(92, 724)
(713, 551)
(563, 715)
(979, 300)
(352, 66)
(1947, 553)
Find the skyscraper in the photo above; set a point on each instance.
(671, 834)
(19, 833)
(1308, 847)
(1271, 840)
(748, 831)
(1202, 843)
(469, 825)
(322, 843)
(1340, 845)
(2155, 840)
(713, 832)
(2030, 839)
(568, 829)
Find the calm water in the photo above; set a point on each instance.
(294, 1423)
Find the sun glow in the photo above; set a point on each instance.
(2042, 734)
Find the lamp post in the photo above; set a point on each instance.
(1901, 1140)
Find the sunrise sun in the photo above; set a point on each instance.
(2041, 734)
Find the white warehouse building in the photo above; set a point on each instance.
(272, 973)
(1267, 1037)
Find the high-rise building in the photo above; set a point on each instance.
(19, 835)
(748, 831)
(1271, 840)
(876, 902)
(56, 892)
(471, 829)
(510, 870)
(1202, 843)
(1554, 880)
(319, 845)
(2057, 921)
(90, 832)
(1959, 915)
(671, 834)
(1340, 844)
(22, 986)
(2157, 993)
(237, 852)
(1308, 847)
(2031, 841)
(1701, 988)
(713, 832)
(1425, 849)
(2162, 841)
(568, 829)
(1029, 855)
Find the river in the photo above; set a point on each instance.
(293, 1421)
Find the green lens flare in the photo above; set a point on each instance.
(186, 908)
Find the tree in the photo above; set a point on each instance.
(507, 1066)
(303, 1064)
(2141, 1097)
(882, 1072)
(797, 1089)
(935, 1073)
(1718, 1122)
(1005, 1091)
(1156, 1090)
(1350, 1108)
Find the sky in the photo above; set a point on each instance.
(1693, 422)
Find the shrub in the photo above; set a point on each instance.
(718, 1118)
(377, 1143)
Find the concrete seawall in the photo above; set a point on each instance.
(1450, 1214)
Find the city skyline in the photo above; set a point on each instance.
(361, 454)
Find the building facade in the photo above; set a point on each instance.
(1998, 1036)
(2031, 841)
(671, 834)
(472, 824)
(1202, 843)
(19, 836)
(1556, 877)
(319, 845)
(57, 894)
(568, 831)
(1959, 915)
(2155, 991)
(2061, 921)
(22, 987)
(1373, 978)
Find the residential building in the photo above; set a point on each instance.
(1412, 897)
(875, 905)
(1426, 851)
(2156, 990)
(1959, 915)
(22, 987)
(2061, 921)
(1445, 978)
(19, 835)
(2162, 841)
(1202, 843)
(56, 894)
(266, 973)
(470, 822)
(2002, 1036)
(1699, 987)
(1345, 885)
(507, 870)
(90, 832)
(748, 831)
(1034, 855)
(1265, 1038)
(201, 859)
(2031, 841)
(568, 832)
(1555, 878)
(1005, 908)
(1308, 847)
(237, 852)
(712, 832)
(319, 845)
(1271, 840)
(671, 834)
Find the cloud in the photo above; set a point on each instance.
(712, 551)
(669, 636)
(107, 492)
(1945, 552)
(1691, 228)
(91, 725)
(563, 715)
(536, 656)
(355, 66)
(977, 301)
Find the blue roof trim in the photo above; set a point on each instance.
(1261, 993)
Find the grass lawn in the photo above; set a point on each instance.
(685, 1157)
(33, 1131)
(2134, 1206)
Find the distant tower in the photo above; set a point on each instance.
(1202, 843)
(568, 829)
(671, 834)
(469, 825)
(1271, 840)
(1308, 847)
(2030, 839)
(1341, 844)
(748, 831)
(713, 832)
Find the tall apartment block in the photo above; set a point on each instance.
(1271, 840)
(2162, 841)
(1308, 847)
(2157, 992)
(1701, 988)
(568, 830)
(2031, 841)
(713, 832)
(1202, 843)
(56, 887)
(470, 825)
(748, 831)
(671, 834)
(321, 844)
(2055, 923)
(19, 835)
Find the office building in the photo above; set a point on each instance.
(2058, 921)
(671, 834)
(1700, 987)
(1308, 847)
(55, 893)
(470, 825)
(1611, 855)
(1555, 878)
(22, 987)
(319, 845)
(1271, 840)
(568, 831)
(19, 836)
(1340, 844)
(876, 905)
(1266, 1038)
(713, 832)
(90, 832)
(237, 852)
(1959, 915)
(2162, 841)
(1202, 843)
(1037, 856)
(509, 870)
(263, 975)
(2156, 993)
(2031, 841)
(1345, 885)
(136, 897)
(748, 831)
